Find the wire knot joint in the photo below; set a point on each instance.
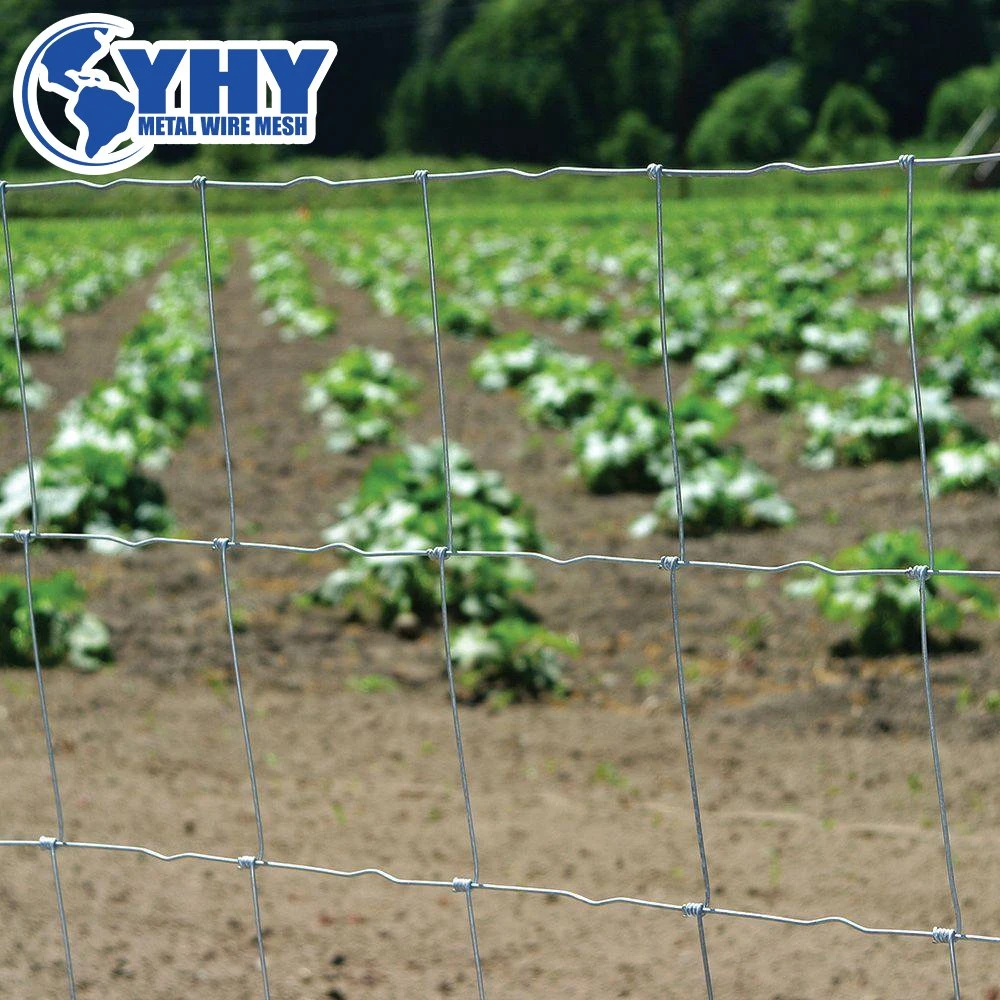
(246, 861)
(221, 544)
(919, 573)
(198, 181)
(439, 553)
(654, 170)
(693, 909)
(461, 885)
(906, 161)
(943, 935)
(670, 563)
(420, 176)
(22, 536)
(48, 843)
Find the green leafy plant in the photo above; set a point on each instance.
(876, 419)
(510, 655)
(734, 371)
(723, 493)
(510, 360)
(567, 388)
(967, 467)
(624, 443)
(65, 631)
(642, 342)
(401, 506)
(360, 398)
(885, 610)
(94, 476)
(286, 290)
(36, 394)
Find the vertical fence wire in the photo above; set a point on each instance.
(199, 183)
(222, 545)
(25, 539)
(906, 162)
(655, 171)
(49, 844)
(421, 178)
(441, 554)
(464, 885)
(16, 326)
(696, 909)
(250, 863)
(923, 573)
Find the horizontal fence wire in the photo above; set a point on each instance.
(671, 563)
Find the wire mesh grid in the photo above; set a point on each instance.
(470, 884)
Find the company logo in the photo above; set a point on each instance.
(170, 92)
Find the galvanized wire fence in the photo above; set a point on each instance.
(471, 884)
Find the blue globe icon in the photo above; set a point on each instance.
(64, 60)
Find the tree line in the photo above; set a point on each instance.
(603, 81)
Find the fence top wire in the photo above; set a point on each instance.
(531, 175)
(671, 563)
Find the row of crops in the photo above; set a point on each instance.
(783, 319)
(761, 316)
(98, 473)
(61, 282)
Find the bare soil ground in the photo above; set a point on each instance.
(815, 770)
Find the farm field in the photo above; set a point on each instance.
(790, 370)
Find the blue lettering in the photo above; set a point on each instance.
(152, 76)
(294, 78)
(207, 81)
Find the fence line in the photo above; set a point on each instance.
(466, 885)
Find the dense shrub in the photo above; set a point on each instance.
(897, 50)
(635, 141)
(539, 80)
(757, 118)
(959, 100)
(850, 126)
